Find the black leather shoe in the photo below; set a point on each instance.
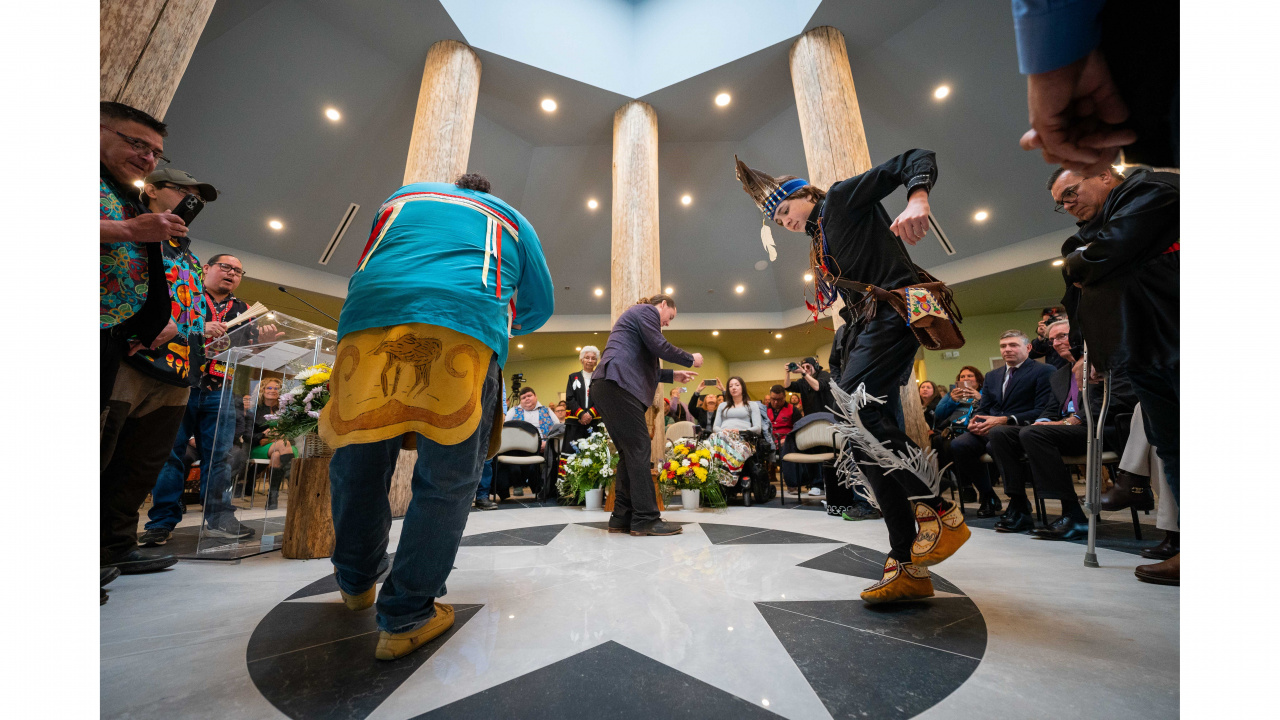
(134, 562)
(108, 574)
(1165, 550)
(1015, 521)
(619, 525)
(486, 504)
(657, 527)
(990, 507)
(1064, 528)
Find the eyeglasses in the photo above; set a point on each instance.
(229, 269)
(184, 189)
(1068, 196)
(143, 147)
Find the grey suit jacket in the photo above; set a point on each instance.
(635, 346)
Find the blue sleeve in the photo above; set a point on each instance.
(535, 292)
(945, 407)
(1055, 33)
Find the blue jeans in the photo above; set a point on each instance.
(204, 419)
(444, 486)
(486, 481)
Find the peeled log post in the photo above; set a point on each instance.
(145, 46)
(446, 114)
(308, 522)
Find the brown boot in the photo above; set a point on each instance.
(1162, 573)
(1129, 490)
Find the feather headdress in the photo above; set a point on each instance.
(767, 193)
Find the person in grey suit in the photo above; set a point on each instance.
(622, 388)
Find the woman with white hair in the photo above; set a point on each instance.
(581, 416)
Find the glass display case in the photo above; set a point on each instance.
(245, 495)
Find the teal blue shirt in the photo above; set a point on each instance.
(425, 262)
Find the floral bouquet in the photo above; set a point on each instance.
(299, 409)
(693, 466)
(592, 467)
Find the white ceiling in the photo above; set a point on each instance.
(248, 118)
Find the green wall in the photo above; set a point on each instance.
(982, 341)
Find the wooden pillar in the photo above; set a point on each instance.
(446, 114)
(144, 49)
(635, 271)
(308, 522)
(835, 145)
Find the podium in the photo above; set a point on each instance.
(250, 507)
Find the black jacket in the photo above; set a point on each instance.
(575, 401)
(1126, 261)
(1028, 393)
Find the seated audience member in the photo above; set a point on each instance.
(1141, 463)
(814, 386)
(951, 419)
(561, 411)
(577, 397)
(278, 453)
(677, 411)
(781, 415)
(739, 415)
(1042, 346)
(1059, 430)
(793, 399)
(538, 415)
(930, 396)
(703, 407)
(1011, 395)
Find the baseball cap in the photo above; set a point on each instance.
(208, 193)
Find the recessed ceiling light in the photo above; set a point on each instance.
(980, 215)
(333, 114)
(730, 629)
(715, 332)
(138, 183)
(275, 224)
(1058, 263)
(808, 277)
(669, 290)
(942, 92)
(593, 204)
(578, 349)
(740, 289)
(766, 351)
(549, 105)
(520, 346)
(687, 199)
(599, 292)
(778, 335)
(511, 617)
(723, 99)
(764, 701)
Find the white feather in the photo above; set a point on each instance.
(766, 237)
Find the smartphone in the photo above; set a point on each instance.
(190, 206)
(684, 389)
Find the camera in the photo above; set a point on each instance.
(793, 367)
(517, 381)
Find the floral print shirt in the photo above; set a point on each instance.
(172, 362)
(122, 285)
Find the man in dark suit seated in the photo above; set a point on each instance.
(581, 416)
(1060, 430)
(1012, 395)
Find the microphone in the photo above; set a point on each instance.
(304, 302)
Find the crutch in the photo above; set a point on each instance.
(1093, 458)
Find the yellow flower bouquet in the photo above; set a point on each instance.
(691, 466)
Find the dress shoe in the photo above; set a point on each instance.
(108, 574)
(1127, 491)
(485, 503)
(939, 537)
(989, 507)
(1064, 528)
(901, 582)
(1015, 521)
(135, 563)
(1162, 573)
(397, 645)
(1165, 550)
(619, 525)
(657, 527)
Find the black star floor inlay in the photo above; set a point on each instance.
(315, 660)
(880, 661)
(720, 534)
(539, 535)
(866, 563)
(639, 688)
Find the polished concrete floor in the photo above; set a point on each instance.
(750, 612)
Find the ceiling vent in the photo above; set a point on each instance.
(345, 223)
(947, 247)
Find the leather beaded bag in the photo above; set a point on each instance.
(928, 307)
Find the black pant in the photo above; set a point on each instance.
(1044, 446)
(797, 474)
(966, 453)
(623, 414)
(881, 359)
(1157, 389)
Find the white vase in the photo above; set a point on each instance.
(690, 499)
(595, 499)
